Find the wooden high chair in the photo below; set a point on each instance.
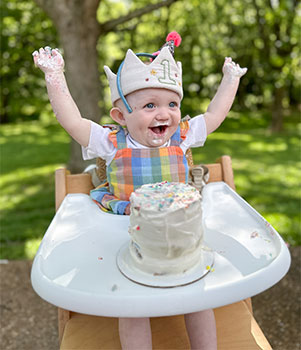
(236, 327)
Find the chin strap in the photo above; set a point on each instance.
(118, 81)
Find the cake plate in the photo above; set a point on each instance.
(75, 267)
(128, 269)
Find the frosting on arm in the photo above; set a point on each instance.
(51, 63)
(224, 97)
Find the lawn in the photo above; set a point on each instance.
(30, 153)
(266, 167)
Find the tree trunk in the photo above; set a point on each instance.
(79, 32)
(83, 78)
(277, 110)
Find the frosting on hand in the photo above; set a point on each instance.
(48, 60)
(65, 109)
(233, 69)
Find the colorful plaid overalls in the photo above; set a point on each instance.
(132, 168)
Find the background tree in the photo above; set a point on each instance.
(259, 34)
(277, 28)
(24, 28)
(33, 144)
(79, 31)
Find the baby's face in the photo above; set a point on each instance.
(155, 117)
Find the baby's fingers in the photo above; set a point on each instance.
(56, 52)
(244, 70)
(58, 57)
(35, 56)
(48, 60)
(42, 52)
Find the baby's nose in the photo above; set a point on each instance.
(162, 113)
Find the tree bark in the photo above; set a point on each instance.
(79, 43)
(79, 32)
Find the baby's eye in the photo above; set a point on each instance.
(149, 105)
(173, 104)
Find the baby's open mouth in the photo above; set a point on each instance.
(159, 130)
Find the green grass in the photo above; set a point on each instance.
(30, 153)
(266, 167)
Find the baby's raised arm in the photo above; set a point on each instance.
(224, 97)
(51, 63)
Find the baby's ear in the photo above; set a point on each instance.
(117, 115)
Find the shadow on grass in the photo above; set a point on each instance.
(27, 216)
(265, 166)
(30, 153)
(27, 146)
(267, 174)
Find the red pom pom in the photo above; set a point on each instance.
(175, 37)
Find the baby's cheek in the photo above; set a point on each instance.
(173, 129)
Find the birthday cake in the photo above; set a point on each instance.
(166, 228)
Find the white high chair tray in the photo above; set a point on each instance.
(75, 267)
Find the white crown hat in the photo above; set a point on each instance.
(163, 72)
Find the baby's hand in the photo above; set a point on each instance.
(232, 69)
(48, 60)
(127, 210)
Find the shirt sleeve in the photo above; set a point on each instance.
(197, 133)
(99, 144)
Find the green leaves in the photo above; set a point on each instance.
(262, 36)
(25, 29)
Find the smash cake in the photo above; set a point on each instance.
(166, 229)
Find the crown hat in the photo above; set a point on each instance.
(163, 72)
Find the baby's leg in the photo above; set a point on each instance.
(201, 330)
(135, 333)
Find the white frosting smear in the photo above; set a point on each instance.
(164, 196)
(166, 228)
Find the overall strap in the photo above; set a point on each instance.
(180, 135)
(118, 137)
(175, 140)
(121, 140)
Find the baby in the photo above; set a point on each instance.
(148, 145)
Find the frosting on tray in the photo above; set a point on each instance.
(166, 228)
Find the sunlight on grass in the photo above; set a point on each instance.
(282, 223)
(31, 247)
(232, 137)
(261, 146)
(267, 171)
(12, 198)
(30, 153)
(46, 132)
(22, 174)
(14, 194)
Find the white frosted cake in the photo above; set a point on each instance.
(166, 228)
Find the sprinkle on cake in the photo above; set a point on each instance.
(164, 196)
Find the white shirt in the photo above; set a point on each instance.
(100, 145)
